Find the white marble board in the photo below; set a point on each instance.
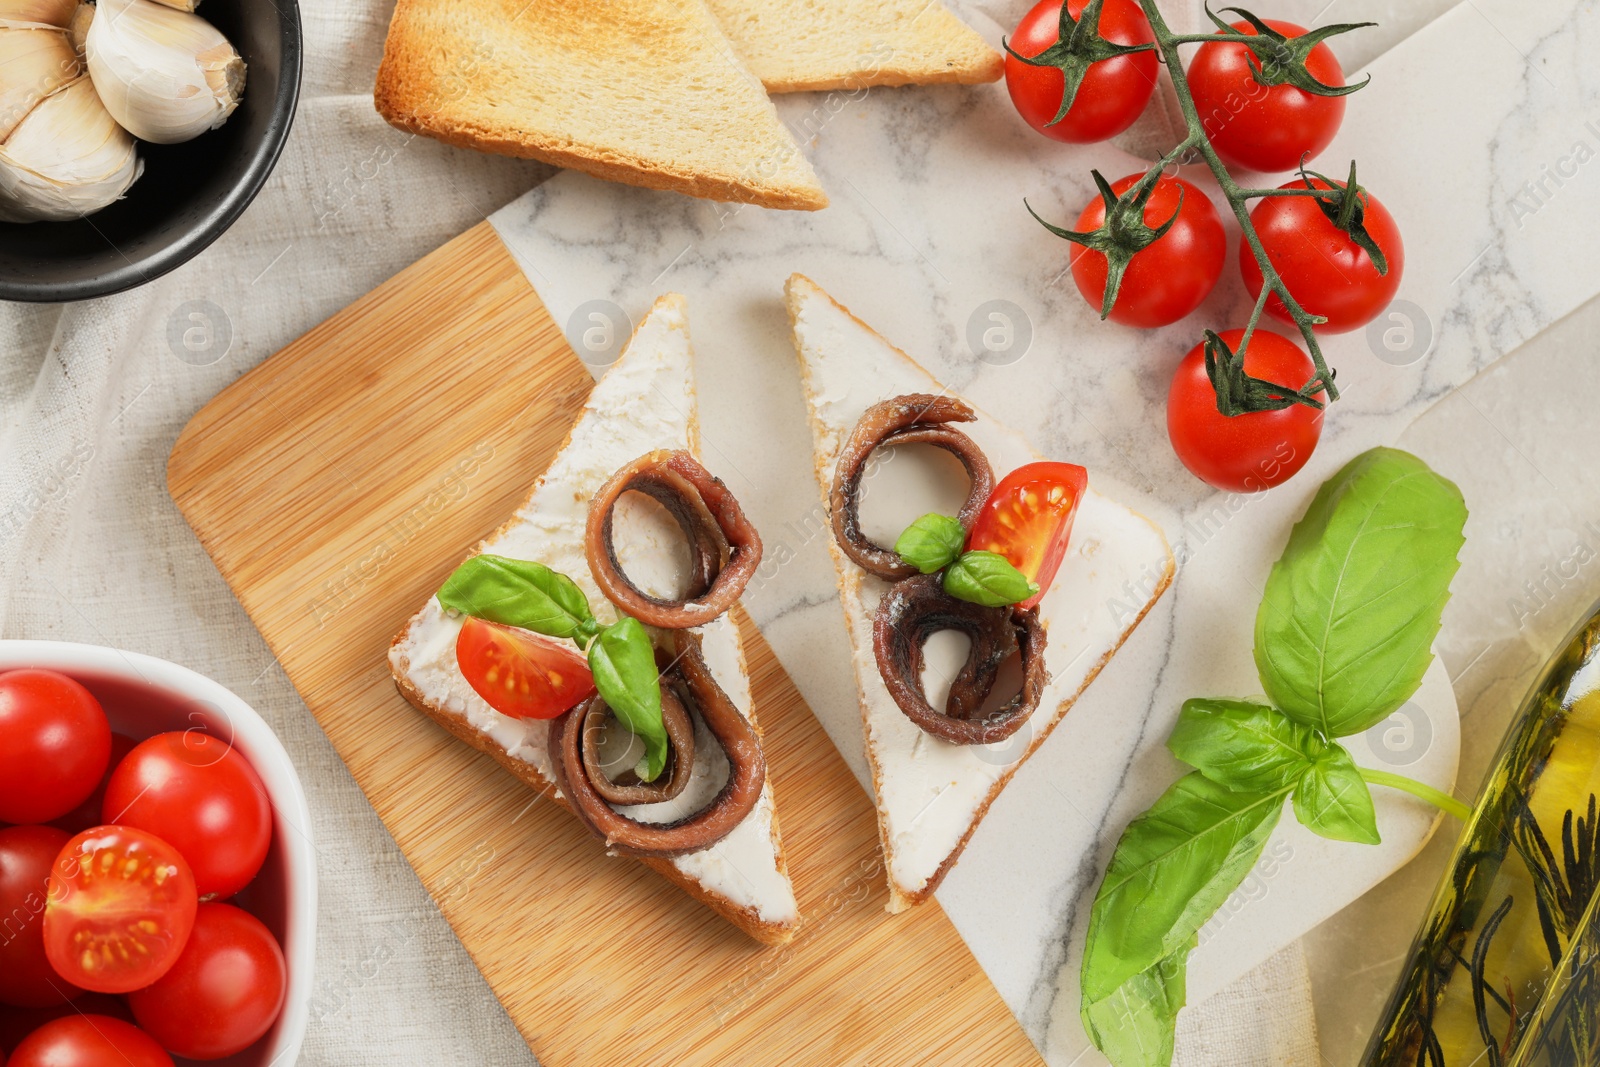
(926, 229)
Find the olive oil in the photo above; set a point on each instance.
(1505, 971)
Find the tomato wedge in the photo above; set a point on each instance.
(1028, 520)
(120, 905)
(520, 673)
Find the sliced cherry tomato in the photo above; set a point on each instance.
(1028, 519)
(1250, 452)
(18, 1023)
(1328, 273)
(1168, 279)
(87, 814)
(26, 977)
(1114, 91)
(121, 902)
(89, 1041)
(225, 991)
(55, 744)
(520, 673)
(200, 796)
(1266, 128)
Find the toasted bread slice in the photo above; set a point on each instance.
(645, 402)
(792, 45)
(931, 794)
(648, 93)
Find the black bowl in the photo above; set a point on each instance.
(189, 193)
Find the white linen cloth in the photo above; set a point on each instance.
(92, 397)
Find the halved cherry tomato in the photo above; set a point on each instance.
(225, 991)
(121, 904)
(55, 743)
(1028, 520)
(89, 1041)
(200, 796)
(520, 673)
(26, 978)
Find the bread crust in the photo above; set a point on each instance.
(421, 81)
(850, 580)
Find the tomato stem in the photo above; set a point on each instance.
(1238, 196)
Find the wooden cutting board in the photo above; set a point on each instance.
(335, 486)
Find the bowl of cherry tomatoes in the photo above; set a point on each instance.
(157, 881)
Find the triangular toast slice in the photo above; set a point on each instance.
(645, 402)
(795, 45)
(932, 794)
(648, 92)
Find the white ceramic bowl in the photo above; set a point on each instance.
(144, 696)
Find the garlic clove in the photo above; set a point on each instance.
(78, 28)
(48, 12)
(67, 159)
(165, 75)
(33, 64)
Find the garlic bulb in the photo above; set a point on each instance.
(165, 75)
(68, 158)
(48, 12)
(33, 64)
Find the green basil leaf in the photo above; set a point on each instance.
(1243, 745)
(517, 592)
(623, 663)
(1335, 801)
(1347, 622)
(932, 542)
(987, 578)
(1136, 1025)
(1172, 869)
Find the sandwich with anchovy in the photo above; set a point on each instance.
(587, 644)
(1024, 569)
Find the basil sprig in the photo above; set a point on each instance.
(934, 543)
(529, 595)
(1343, 635)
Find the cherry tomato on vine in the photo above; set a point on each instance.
(1266, 128)
(1326, 272)
(225, 991)
(55, 744)
(1168, 279)
(1114, 91)
(196, 793)
(1028, 519)
(520, 673)
(121, 902)
(1250, 452)
(26, 978)
(89, 1041)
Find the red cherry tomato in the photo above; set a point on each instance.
(1328, 273)
(1168, 279)
(55, 743)
(520, 673)
(121, 902)
(1250, 452)
(87, 814)
(26, 978)
(89, 1041)
(18, 1023)
(1260, 127)
(1028, 519)
(225, 991)
(201, 797)
(1113, 92)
